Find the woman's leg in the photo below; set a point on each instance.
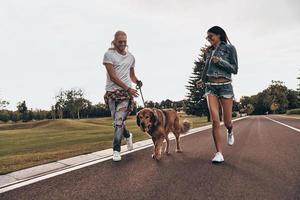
(227, 112)
(213, 106)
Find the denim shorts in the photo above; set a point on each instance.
(221, 91)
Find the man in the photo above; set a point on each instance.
(120, 64)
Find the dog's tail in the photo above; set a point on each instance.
(185, 126)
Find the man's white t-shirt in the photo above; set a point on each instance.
(122, 65)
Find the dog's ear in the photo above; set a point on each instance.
(138, 121)
(154, 119)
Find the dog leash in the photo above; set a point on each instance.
(139, 87)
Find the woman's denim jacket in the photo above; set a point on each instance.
(225, 67)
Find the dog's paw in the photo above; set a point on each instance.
(157, 157)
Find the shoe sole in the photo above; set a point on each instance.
(217, 162)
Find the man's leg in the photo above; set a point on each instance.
(119, 123)
(116, 139)
(123, 109)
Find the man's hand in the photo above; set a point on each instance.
(139, 83)
(133, 92)
(215, 59)
(200, 84)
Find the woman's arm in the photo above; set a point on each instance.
(232, 65)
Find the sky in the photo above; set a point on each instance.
(46, 46)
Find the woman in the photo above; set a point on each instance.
(220, 63)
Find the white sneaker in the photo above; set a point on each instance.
(218, 158)
(129, 143)
(116, 156)
(230, 138)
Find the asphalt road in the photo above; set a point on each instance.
(264, 163)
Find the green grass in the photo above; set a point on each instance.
(293, 115)
(24, 145)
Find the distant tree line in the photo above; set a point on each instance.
(72, 104)
(69, 104)
(275, 99)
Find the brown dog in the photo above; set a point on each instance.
(158, 124)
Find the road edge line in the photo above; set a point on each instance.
(37, 178)
(283, 124)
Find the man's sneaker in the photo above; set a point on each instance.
(116, 156)
(218, 158)
(230, 138)
(129, 142)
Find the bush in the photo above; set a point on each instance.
(4, 115)
(234, 114)
(293, 112)
(15, 116)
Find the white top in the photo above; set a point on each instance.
(122, 65)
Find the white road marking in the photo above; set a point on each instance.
(295, 129)
(35, 179)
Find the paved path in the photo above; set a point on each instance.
(264, 163)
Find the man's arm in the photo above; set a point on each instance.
(113, 77)
(133, 76)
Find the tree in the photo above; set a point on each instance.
(149, 104)
(59, 105)
(4, 115)
(22, 108)
(236, 106)
(70, 103)
(74, 102)
(30, 115)
(245, 100)
(293, 99)
(80, 105)
(276, 98)
(3, 103)
(261, 103)
(15, 116)
(278, 94)
(298, 89)
(196, 103)
(39, 114)
(274, 107)
(53, 115)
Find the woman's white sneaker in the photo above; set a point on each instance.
(230, 138)
(129, 142)
(218, 158)
(116, 156)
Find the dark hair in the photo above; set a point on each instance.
(219, 31)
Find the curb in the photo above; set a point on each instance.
(34, 174)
